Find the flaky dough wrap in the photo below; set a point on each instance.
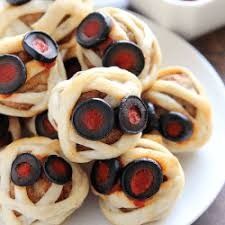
(122, 210)
(48, 210)
(126, 26)
(113, 82)
(177, 89)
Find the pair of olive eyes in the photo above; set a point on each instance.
(93, 32)
(173, 126)
(13, 74)
(94, 119)
(27, 169)
(140, 179)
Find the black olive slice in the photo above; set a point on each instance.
(44, 127)
(4, 127)
(93, 119)
(153, 121)
(141, 179)
(6, 139)
(72, 66)
(40, 46)
(175, 126)
(57, 170)
(17, 2)
(132, 115)
(93, 30)
(12, 73)
(125, 55)
(104, 175)
(26, 170)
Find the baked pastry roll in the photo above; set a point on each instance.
(40, 126)
(114, 37)
(30, 68)
(38, 186)
(10, 130)
(139, 187)
(179, 104)
(84, 110)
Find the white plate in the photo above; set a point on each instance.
(204, 170)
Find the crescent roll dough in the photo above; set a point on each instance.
(122, 210)
(126, 26)
(54, 204)
(32, 97)
(115, 84)
(176, 89)
(14, 132)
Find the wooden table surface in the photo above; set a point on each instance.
(212, 46)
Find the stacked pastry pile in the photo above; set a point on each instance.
(87, 84)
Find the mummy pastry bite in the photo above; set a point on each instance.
(113, 37)
(10, 130)
(40, 126)
(58, 18)
(98, 113)
(139, 187)
(38, 186)
(179, 109)
(29, 68)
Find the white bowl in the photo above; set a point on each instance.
(190, 19)
(116, 3)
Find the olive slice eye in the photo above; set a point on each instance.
(93, 30)
(12, 73)
(72, 66)
(4, 121)
(126, 55)
(26, 170)
(57, 170)
(175, 126)
(141, 179)
(17, 2)
(132, 115)
(44, 127)
(93, 119)
(40, 46)
(153, 122)
(104, 175)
